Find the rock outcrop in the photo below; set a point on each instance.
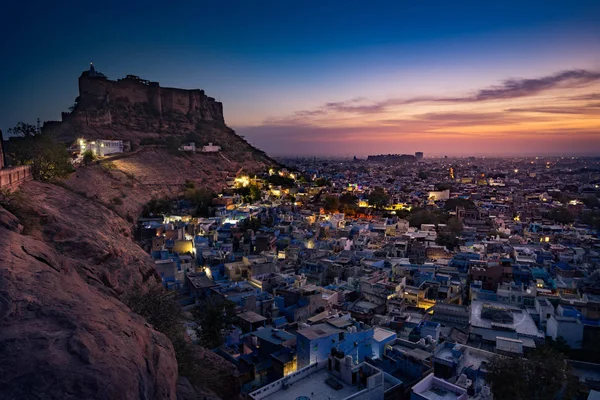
(63, 332)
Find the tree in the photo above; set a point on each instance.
(255, 193)
(447, 240)
(348, 198)
(331, 204)
(544, 375)
(202, 198)
(88, 157)
(443, 186)
(161, 309)
(560, 215)
(23, 130)
(322, 182)
(49, 160)
(455, 225)
(214, 315)
(452, 204)
(283, 181)
(157, 207)
(173, 144)
(378, 198)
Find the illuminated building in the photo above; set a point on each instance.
(101, 147)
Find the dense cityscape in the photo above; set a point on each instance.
(421, 270)
(277, 200)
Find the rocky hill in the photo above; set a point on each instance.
(155, 120)
(68, 257)
(64, 333)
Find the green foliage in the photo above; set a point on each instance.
(189, 185)
(417, 217)
(23, 130)
(543, 375)
(88, 157)
(560, 215)
(283, 181)
(378, 198)
(348, 198)
(202, 199)
(173, 144)
(455, 226)
(322, 182)
(158, 306)
(452, 204)
(214, 315)
(250, 223)
(250, 193)
(157, 207)
(331, 204)
(255, 193)
(591, 201)
(591, 218)
(50, 161)
(443, 186)
(447, 240)
(161, 309)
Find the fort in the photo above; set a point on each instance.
(97, 94)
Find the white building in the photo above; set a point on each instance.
(334, 378)
(545, 309)
(101, 147)
(433, 388)
(191, 146)
(210, 148)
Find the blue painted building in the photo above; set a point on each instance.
(314, 343)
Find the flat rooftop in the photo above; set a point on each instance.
(314, 387)
(521, 323)
(380, 334)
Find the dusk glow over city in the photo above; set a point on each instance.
(300, 200)
(354, 79)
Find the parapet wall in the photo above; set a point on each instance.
(99, 92)
(12, 177)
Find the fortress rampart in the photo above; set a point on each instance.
(97, 92)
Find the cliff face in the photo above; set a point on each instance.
(63, 332)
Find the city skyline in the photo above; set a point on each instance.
(447, 80)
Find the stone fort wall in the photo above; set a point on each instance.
(12, 177)
(99, 92)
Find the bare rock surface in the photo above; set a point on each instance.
(61, 338)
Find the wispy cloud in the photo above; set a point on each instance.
(513, 88)
(508, 89)
(592, 108)
(558, 107)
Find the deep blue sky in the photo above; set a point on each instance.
(268, 59)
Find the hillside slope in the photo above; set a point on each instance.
(155, 121)
(68, 256)
(64, 334)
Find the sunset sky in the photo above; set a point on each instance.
(333, 78)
